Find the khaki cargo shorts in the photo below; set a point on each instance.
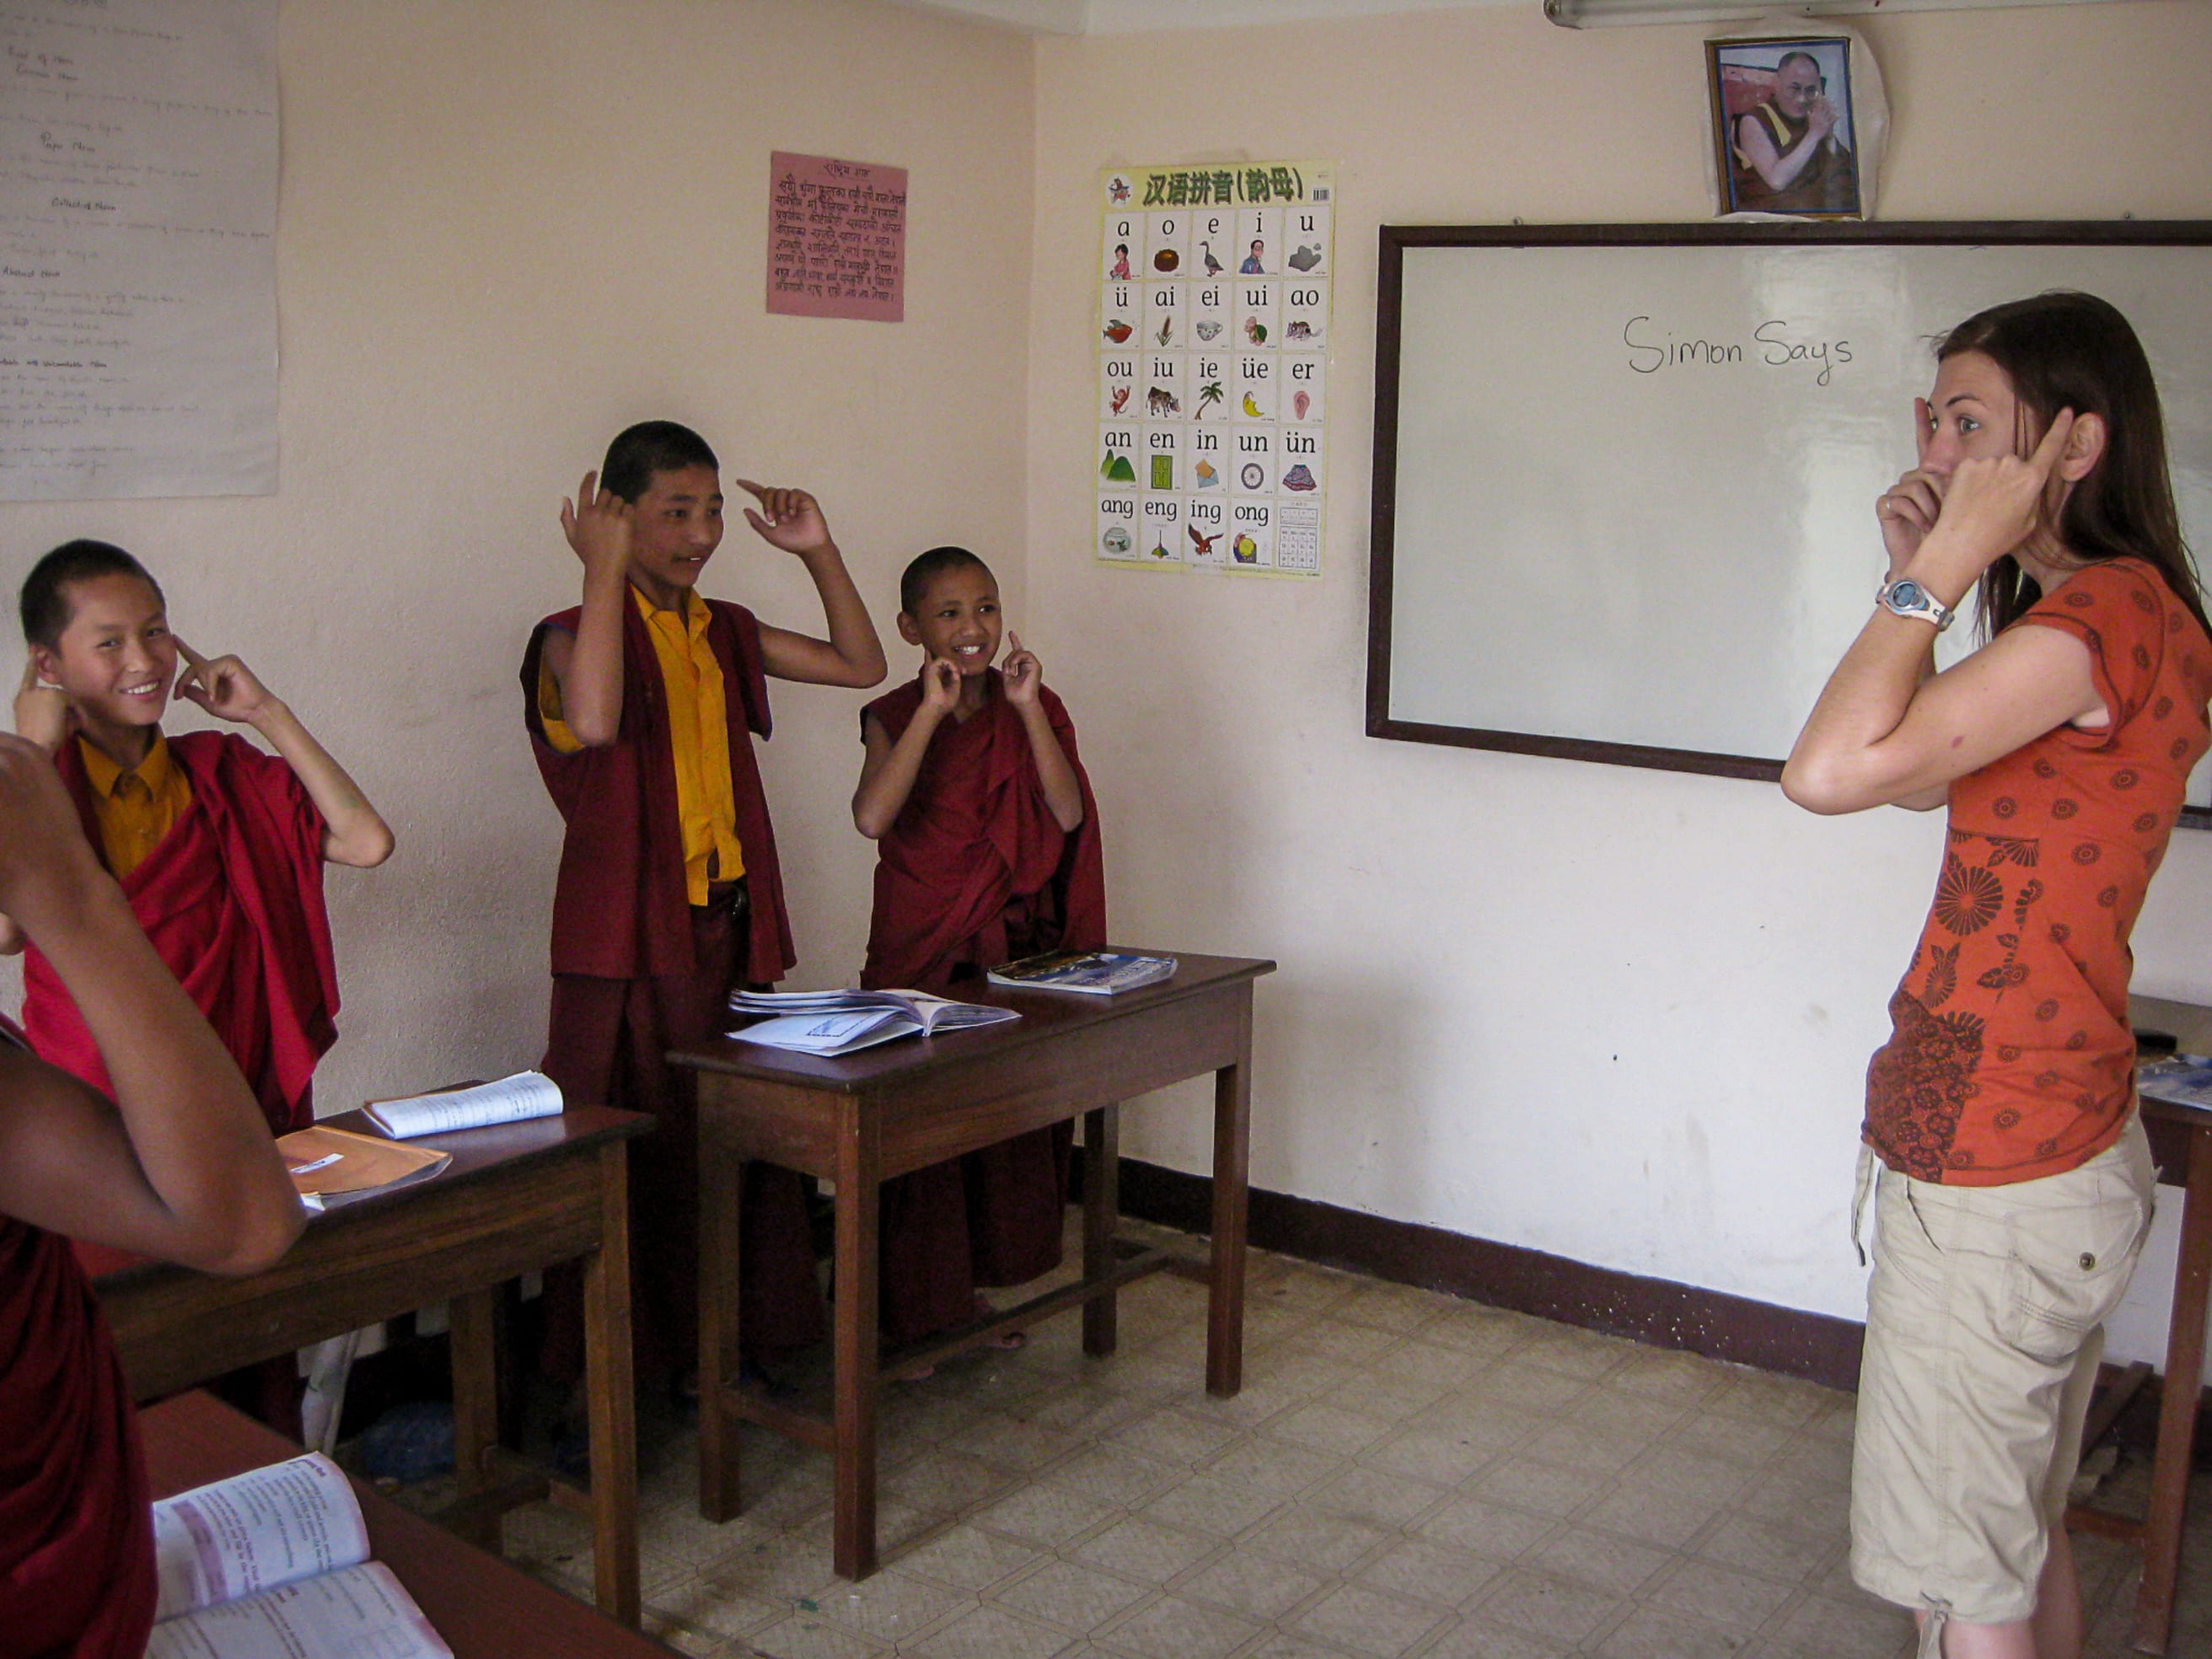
(1984, 1326)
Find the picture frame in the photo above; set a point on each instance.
(1785, 136)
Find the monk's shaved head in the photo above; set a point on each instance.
(45, 604)
(914, 585)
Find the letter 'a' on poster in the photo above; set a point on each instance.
(1213, 331)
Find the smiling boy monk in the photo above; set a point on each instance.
(988, 849)
(644, 701)
(218, 845)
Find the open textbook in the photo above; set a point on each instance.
(838, 1022)
(527, 1094)
(273, 1564)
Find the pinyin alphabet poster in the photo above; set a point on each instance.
(1213, 323)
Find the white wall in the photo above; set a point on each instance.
(509, 228)
(1619, 1015)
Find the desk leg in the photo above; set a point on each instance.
(476, 1403)
(858, 1174)
(611, 1397)
(721, 1196)
(1232, 1124)
(2177, 1414)
(1102, 1205)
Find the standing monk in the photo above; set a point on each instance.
(988, 849)
(643, 703)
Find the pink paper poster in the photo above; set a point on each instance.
(837, 243)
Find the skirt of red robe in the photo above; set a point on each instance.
(606, 1043)
(989, 1218)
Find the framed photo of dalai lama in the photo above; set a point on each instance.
(1783, 132)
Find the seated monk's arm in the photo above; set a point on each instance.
(889, 770)
(12, 939)
(180, 1165)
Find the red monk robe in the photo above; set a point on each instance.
(77, 1533)
(974, 873)
(638, 971)
(232, 899)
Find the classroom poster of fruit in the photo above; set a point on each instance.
(1213, 320)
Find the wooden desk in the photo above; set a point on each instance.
(480, 1604)
(2181, 1144)
(516, 1198)
(867, 1117)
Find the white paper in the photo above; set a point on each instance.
(510, 1100)
(138, 168)
(255, 1531)
(362, 1612)
(830, 1034)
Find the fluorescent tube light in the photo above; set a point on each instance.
(1591, 13)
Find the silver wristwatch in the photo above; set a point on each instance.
(1907, 597)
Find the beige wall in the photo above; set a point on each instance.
(1619, 1015)
(509, 228)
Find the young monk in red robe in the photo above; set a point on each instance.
(180, 1166)
(219, 845)
(643, 703)
(988, 849)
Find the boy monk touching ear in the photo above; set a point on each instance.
(644, 701)
(988, 849)
(219, 845)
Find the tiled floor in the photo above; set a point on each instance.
(1404, 1473)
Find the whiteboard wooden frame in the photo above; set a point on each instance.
(1394, 239)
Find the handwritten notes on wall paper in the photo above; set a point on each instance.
(1213, 320)
(138, 152)
(837, 239)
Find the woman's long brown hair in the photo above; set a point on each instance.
(2069, 351)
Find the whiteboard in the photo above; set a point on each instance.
(1626, 475)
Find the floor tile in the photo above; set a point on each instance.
(1148, 1550)
(1600, 1560)
(1367, 1622)
(967, 1557)
(1174, 1628)
(1075, 1597)
(1045, 1514)
(810, 1636)
(1540, 1605)
(1649, 1634)
(992, 1633)
(1315, 1538)
(1738, 1602)
(1259, 1587)
(1327, 1428)
(1488, 1529)
(889, 1606)
(1434, 1573)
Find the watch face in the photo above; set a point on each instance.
(1907, 595)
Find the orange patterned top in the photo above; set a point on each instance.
(2011, 1057)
